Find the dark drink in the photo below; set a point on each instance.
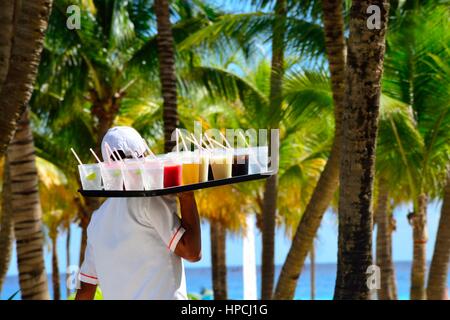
(210, 173)
(240, 165)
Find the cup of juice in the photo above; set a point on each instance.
(90, 176)
(153, 174)
(191, 168)
(221, 164)
(112, 176)
(173, 169)
(132, 175)
(204, 164)
(240, 162)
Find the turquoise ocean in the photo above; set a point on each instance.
(199, 279)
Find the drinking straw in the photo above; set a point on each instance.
(79, 161)
(195, 143)
(243, 138)
(148, 149)
(226, 141)
(182, 140)
(115, 156)
(117, 152)
(176, 138)
(95, 156)
(76, 156)
(211, 144)
(219, 144)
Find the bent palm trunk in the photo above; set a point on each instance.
(166, 57)
(26, 47)
(6, 225)
(218, 260)
(328, 181)
(271, 187)
(387, 290)
(27, 213)
(360, 127)
(420, 237)
(437, 279)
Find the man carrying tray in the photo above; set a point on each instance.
(136, 245)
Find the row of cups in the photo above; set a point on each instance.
(174, 169)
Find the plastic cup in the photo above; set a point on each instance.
(258, 159)
(173, 169)
(240, 162)
(191, 168)
(90, 176)
(153, 175)
(112, 176)
(133, 171)
(204, 166)
(221, 164)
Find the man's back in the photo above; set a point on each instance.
(130, 250)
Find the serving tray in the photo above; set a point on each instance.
(171, 190)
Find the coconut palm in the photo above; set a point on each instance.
(360, 125)
(166, 57)
(412, 78)
(58, 207)
(438, 274)
(19, 56)
(303, 240)
(27, 213)
(437, 279)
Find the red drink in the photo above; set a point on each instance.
(172, 175)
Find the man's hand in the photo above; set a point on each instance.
(190, 245)
(86, 291)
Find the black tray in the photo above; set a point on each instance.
(171, 190)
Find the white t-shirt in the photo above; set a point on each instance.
(130, 250)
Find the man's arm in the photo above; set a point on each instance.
(190, 245)
(86, 291)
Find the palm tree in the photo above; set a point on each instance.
(6, 225)
(307, 229)
(218, 236)
(271, 187)
(437, 279)
(360, 125)
(383, 216)
(411, 77)
(19, 56)
(166, 57)
(26, 210)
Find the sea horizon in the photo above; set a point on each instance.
(198, 280)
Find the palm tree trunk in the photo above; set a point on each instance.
(312, 266)
(6, 225)
(329, 179)
(366, 49)
(437, 278)
(26, 46)
(166, 57)
(384, 246)
(67, 258)
(420, 237)
(27, 213)
(55, 270)
(7, 22)
(271, 187)
(218, 260)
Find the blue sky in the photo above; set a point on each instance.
(326, 243)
